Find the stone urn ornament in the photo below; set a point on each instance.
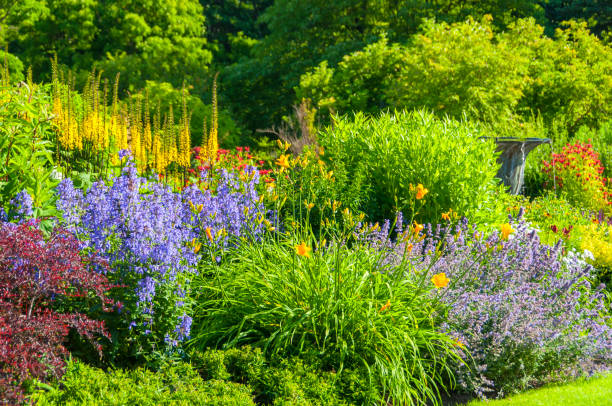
(513, 155)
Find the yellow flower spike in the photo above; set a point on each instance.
(283, 161)
(286, 146)
(191, 206)
(200, 208)
(336, 204)
(506, 230)
(440, 280)
(279, 144)
(209, 234)
(346, 212)
(303, 250)
(196, 249)
(421, 191)
(386, 306)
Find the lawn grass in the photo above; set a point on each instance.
(591, 392)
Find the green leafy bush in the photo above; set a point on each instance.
(26, 149)
(340, 305)
(315, 192)
(284, 381)
(174, 384)
(471, 68)
(397, 150)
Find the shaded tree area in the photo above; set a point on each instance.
(263, 48)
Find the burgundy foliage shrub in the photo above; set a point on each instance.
(43, 282)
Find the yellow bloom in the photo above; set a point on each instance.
(446, 216)
(309, 206)
(303, 250)
(417, 228)
(283, 161)
(440, 280)
(506, 230)
(421, 191)
(459, 344)
(386, 306)
(209, 234)
(197, 248)
(409, 248)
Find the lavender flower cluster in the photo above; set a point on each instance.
(151, 235)
(524, 311)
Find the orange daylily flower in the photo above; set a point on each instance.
(386, 306)
(421, 191)
(446, 216)
(506, 230)
(283, 161)
(417, 228)
(209, 234)
(440, 280)
(303, 250)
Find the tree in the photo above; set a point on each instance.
(597, 13)
(161, 40)
(233, 27)
(472, 68)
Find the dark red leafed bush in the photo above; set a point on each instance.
(43, 284)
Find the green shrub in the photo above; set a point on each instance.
(317, 193)
(26, 161)
(284, 381)
(177, 384)
(397, 150)
(472, 68)
(340, 305)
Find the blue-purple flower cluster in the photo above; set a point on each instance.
(526, 312)
(152, 235)
(22, 204)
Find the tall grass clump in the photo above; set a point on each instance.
(397, 150)
(343, 306)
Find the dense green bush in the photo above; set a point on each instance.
(318, 193)
(340, 305)
(26, 149)
(285, 381)
(177, 384)
(471, 68)
(396, 150)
